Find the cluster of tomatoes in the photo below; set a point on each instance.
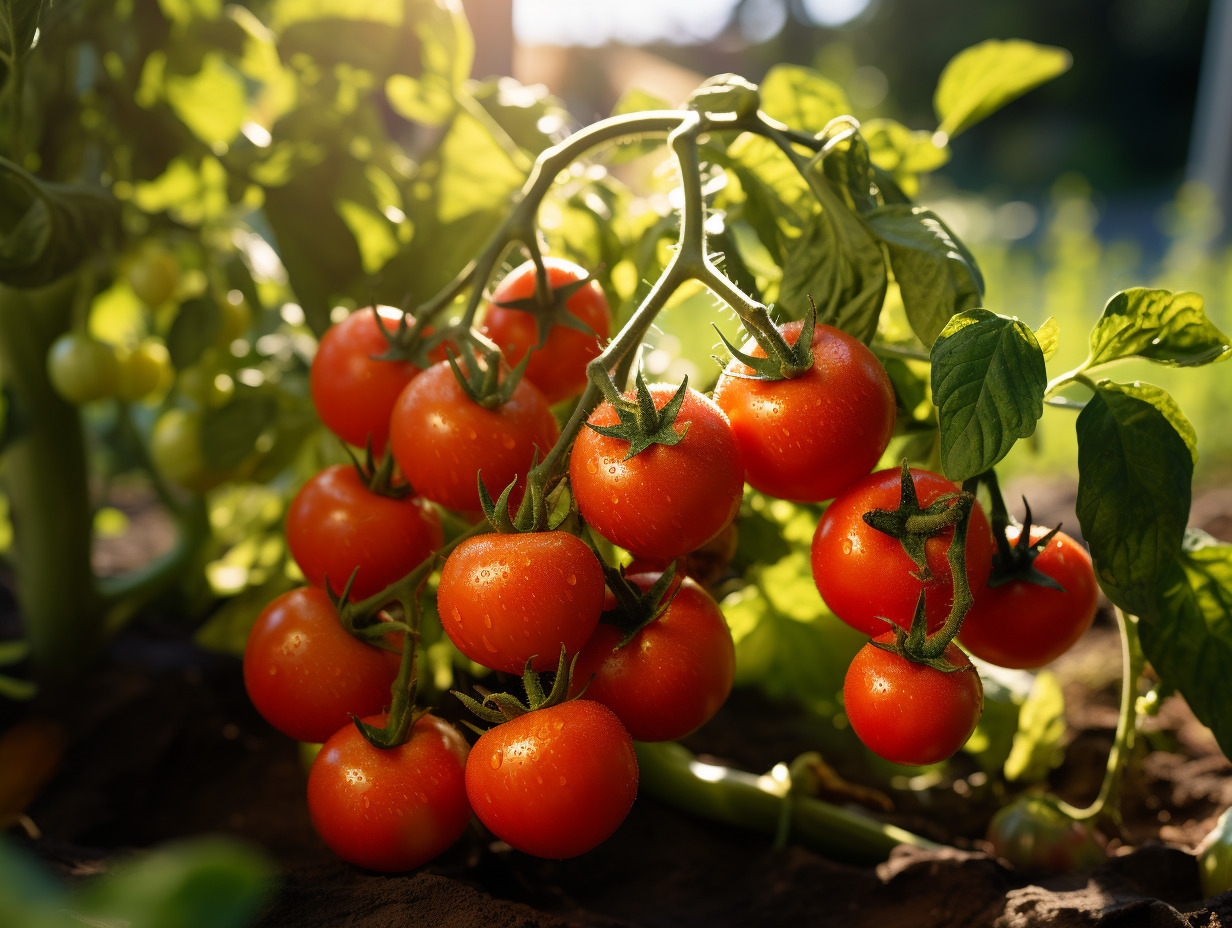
(659, 473)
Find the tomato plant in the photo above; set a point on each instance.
(336, 525)
(1024, 624)
(667, 499)
(865, 575)
(395, 809)
(175, 449)
(558, 365)
(911, 713)
(554, 782)
(808, 438)
(442, 438)
(672, 676)
(305, 674)
(143, 371)
(505, 599)
(352, 390)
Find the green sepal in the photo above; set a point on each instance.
(340, 599)
(642, 425)
(1017, 561)
(396, 730)
(635, 609)
(378, 478)
(775, 365)
(552, 313)
(483, 384)
(504, 707)
(532, 514)
(913, 525)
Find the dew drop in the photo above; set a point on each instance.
(496, 760)
(562, 781)
(571, 579)
(487, 620)
(487, 644)
(846, 545)
(509, 443)
(591, 466)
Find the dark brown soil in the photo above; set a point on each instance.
(164, 744)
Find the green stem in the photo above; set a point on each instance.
(1132, 663)
(671, 774)
(45, 478)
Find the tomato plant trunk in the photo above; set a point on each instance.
(46, 482)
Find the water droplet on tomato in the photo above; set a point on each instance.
(846, 545)
(496, 760)
(562, 781)
(487, 620)
(487, 644)
(571, 579)
(508, 442)
(591, 466)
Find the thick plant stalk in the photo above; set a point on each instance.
(45, 478)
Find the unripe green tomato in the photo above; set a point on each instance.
(175, 448)
(144, 370)
(82, 368)
(236, 320)
(199, 382)
(1034, 834)
(154, 275)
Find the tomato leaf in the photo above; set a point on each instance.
(1049, 337)
(20, 19)
(229, 433)
(936, 275)
(196, 326)
(838, 263)
(1041, 726)
(981, 79)
(1135, 469)
(1159, 325)
(901, 152)
(802, 97)
(988, 382)
(1186, 631)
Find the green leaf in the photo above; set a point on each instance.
(1135, 469)
(447, 50)
(1041, 726)
(229, 433)
(936, 275)
(208, 883)
(213, 103)
(1159, 325)
(47, 229)
(195, 328)
(904, 153)
(988, 383)
(1186, 631)
(838, 263)
(980, 80)
(20, 20)
(1004, 693)
(1049, 337)
(802, 98)
(636, 101)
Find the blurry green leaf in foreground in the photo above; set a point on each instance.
(1158, 325)
(1041, 726)
(981, 79)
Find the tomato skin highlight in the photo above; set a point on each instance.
(910, 713)
(808, 438)
(555, 782)
(441, 438)
(352, 391)
(335, 524)
(390, 810)
(862, 573)
(305, 674)
(1023, 625)
(672, 677)
(669, 499)
(504, 599)
(559, 367)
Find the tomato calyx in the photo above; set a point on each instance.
(498, 708)
(726, 94)
(547, 306)
(782, 361)
(378, 478)
(635, 609)
(1013, 560)
(913, 525)
(532, 514)
(642, 424)
(481, 381)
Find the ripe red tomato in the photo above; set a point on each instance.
(441, 438)
(559, 367)
(335, 524)
(395, 809)
(672, 677)
(911, 713)
(1025, 625)
(352, 391)
(555, 782)
(862, 573)
(808, 438)
(305, 674)
(669, 499)
(504, 599)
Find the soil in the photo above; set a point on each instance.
(163, 744)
